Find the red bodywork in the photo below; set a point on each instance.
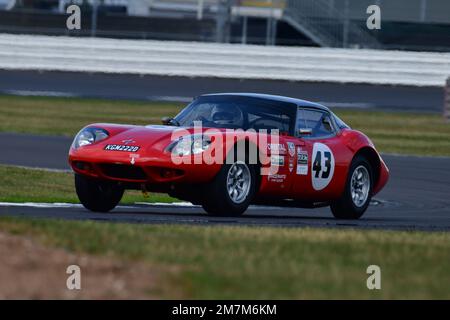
(151, 167)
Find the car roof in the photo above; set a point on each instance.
(297, 102)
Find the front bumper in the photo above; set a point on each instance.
(136, 168)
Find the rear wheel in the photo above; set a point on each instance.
(97, 195)
(232, 190)
(358, 191)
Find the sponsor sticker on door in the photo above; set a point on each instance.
(277, 148)
(302, 162)
(291, 149)
(277, 161)
(277, 178)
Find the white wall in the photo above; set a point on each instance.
(25, 52)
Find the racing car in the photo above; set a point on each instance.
(228, 151)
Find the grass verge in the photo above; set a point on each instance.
(393, 132)
(66, 116)
(263, 263)
(34, 185)
(401, 132)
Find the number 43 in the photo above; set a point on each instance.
(317, 165)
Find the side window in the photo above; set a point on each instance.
(317, 121)
(326, 126)
(264, 117)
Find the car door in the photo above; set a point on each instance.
(319, 157)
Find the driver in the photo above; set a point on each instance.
(223, 114)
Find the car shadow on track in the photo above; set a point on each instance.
(198, 214)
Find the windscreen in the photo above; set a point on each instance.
(239, 112)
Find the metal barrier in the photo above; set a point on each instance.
(21, 52)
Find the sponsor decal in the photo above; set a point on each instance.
(302, 162)
(121, 147)
(277, 178)
(322, 166)
(277, 148)
(291, 164)
(277, 161)
(291, 149)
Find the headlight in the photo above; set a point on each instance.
(188, 145)
(89, 136)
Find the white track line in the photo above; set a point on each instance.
(40, 205)
(40, 169)
(32, 93)
(156, 204)
(77, 205)
(165, 204)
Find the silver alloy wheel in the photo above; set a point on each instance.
(239, 182)
(360, 186)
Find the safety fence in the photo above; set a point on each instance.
(192, 59)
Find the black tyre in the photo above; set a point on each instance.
(232, 190)
(358, 191)
(97, 195)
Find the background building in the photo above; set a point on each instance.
(406, 24)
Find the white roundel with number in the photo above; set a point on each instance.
(322, 166)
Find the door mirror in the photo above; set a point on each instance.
(168, 121)
(304, 131)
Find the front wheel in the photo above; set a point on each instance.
(232, 191)
(358, 191)
(97, 195)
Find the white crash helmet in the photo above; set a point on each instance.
(226, 114)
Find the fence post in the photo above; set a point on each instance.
(200, 8)
(447, 100)
(94, 18)
(223, 21)
(346, 29)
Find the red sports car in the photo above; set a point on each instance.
(227, 151)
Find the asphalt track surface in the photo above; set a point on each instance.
(182, 89)
(416, 198)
